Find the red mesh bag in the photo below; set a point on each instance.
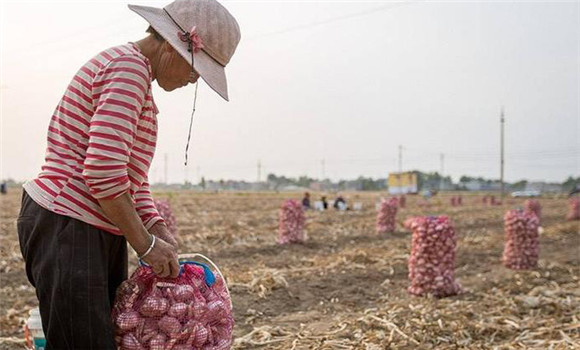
(192, 311)
(291, 222)
(574, 209)
(533, 206)
(166, 213)
(493, 201)
(402, 201)
(521, 240)
(432, 260)
(386, 215)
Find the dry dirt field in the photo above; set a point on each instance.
(345, 288)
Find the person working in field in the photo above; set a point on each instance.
(340, 203)
(92, 195)
(324, 202)
(306, 201)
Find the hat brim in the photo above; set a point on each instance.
(209, 69)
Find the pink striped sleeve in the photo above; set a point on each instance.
(145, 207)
(119, 91)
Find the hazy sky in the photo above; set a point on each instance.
(346, 82)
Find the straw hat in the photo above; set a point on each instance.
(202, 31)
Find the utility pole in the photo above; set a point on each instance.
(400, 168)
(165, 168)
(400, 159)
(502, 123)
(442, 160)
(259, 170)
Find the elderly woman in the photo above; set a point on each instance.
(92, 195)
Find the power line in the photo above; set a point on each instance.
(331, 20)
(567, 152)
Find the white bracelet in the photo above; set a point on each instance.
(150, 248)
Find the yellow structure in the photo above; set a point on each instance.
(406, 182)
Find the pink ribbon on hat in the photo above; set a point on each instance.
(193, 39)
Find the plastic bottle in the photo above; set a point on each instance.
(34, 334)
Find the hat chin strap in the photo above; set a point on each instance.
(190, 48)
(191, 121)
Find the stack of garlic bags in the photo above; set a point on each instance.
(402, 201)
(432, 260)
(386, 215)
(521, 240)
(574, 211)
(291, 222)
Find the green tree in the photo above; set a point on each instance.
(570, 183)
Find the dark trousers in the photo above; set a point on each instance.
(76, 269)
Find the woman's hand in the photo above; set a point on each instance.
(163, 259)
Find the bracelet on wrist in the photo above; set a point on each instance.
(149, 249)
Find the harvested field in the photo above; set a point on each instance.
(346, 287)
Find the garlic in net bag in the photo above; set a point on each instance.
(192, 311)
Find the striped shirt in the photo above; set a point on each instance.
(101, 141)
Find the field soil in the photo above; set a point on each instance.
(346, 286)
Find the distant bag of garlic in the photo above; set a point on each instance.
(521, 240)
(574, 209)
(166, 213)
(432, 260)
(402, 201)
(291, 222)
(192, 311)
(386, 215)
(533, 206)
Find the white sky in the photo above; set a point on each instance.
(342, 81)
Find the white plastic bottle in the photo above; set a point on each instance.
(34, 325)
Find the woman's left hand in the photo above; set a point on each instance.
(160, 230)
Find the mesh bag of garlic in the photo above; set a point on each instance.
(192, 311)
(386, 215)
(402, 201)
(432, 260)
(291, 222)
(166, 213)
(533, 206)
(573, 209)
(521, 240)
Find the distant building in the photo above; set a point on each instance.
(401, 183)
